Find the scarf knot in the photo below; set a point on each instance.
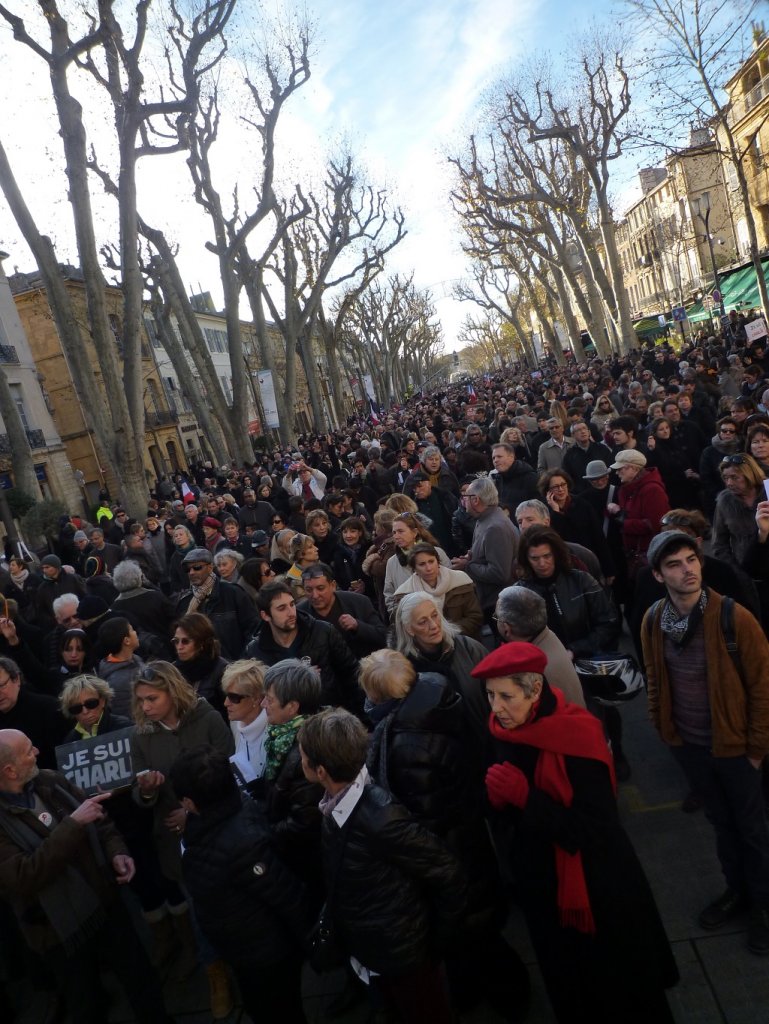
(280, 739)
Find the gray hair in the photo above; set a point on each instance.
(228, 553)
(62, 601)
(484, 488)
(291, 680)
(431, 449)
(77, 685)
(527, 681)
(127, 575)
(523, 610)
(535, 505)
(404, 641)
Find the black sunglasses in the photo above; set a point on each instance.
(196, 566)
(734, 460)
(234, 698)
(87, 705)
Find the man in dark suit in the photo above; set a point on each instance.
(353, 615)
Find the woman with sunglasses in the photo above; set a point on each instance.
(408, 529)
(726, 441)
(198, 657)
(170, 717)
(604, 412)
(243, 688)
(85, 700)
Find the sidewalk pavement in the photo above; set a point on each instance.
(721, 982)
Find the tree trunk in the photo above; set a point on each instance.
(628, 336)
(239, 413)
(572, 327)
(21, 454)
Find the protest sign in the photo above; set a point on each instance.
(98, 763)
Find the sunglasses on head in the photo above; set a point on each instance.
(195, 567)
(234, 698)
(734, 460)
(87, 705)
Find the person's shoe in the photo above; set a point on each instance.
(758, 931)
(692, 802)
(729, 904)
(222, 1003)
(622, 768)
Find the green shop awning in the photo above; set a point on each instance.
(740, 288)
(648, 325)
(697, 313)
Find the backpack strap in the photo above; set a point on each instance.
(727, 631)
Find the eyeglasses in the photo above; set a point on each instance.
(268, 571)
(196, 567)
(181, 641)
(87, 705)
(734, 460)
(727, 430)
(274, 522)
(559, 487)
(235, 698)
(9, 679)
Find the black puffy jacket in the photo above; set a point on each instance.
(399, 893)
(249, 905)
(579, 611)
(325, 647)
(423, 753)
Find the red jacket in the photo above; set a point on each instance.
(644, 502)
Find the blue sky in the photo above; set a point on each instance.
(400, 81)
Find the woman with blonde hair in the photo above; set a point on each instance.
(170, 718)
(383, 546)
(399, 503)
(85, 699)
(318, 526)
(243, 688)
(304, 553)
(280, 554)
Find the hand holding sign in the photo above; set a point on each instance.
(91, 809)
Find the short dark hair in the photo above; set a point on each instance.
(627, 423)
(204, 775)
(269, 592)
(336, 741)
(112, 633)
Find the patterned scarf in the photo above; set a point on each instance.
(681, 629)
(20, 578)
(280, 739)
(199, 594)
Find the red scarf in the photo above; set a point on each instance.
(569, 731)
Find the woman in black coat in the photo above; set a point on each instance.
(422, 752)
(592, 918)
(249, 906)
(198, 659)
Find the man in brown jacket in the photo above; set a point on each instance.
(712, 706)
(61, 861)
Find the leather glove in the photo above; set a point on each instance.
(506, 784)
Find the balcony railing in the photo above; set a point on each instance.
(8, 354)
(35, 438)
(751, 99)
(162, 419)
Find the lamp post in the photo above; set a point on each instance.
(701, 207)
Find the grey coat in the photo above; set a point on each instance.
(734, 528)
(492, 555)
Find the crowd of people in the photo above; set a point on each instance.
(361, 723)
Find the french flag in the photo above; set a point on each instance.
(471, 395)
(187, 496)
(373, 411)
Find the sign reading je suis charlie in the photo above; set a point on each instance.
(98, 763)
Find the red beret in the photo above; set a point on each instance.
(511, 660)
(213, 523)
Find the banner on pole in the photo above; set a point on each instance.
(267, 392)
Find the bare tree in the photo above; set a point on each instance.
(142, 127)
(693, 48)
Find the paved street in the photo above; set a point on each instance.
(721, 982)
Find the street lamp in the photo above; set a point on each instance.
(701, 207)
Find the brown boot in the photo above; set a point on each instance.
(222, 1002)
(164, 944)
(187, 960)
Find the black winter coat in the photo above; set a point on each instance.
(579, 611)
(622, 968)
(517, 484)
(232, 614)
(326, 648)
(422, 753)
(249, 905)
(399, 893)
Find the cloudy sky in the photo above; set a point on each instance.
(400, 82)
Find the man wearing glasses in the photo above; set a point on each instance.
(552, 452)
(490, 562)
(227, 605)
